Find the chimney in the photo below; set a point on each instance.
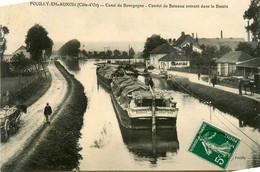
(182, 33)
(221, 34)
(248, 32)
(197, 39)
(192, 35)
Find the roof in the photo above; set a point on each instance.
(183, 39)
(253, 63)
(163, 49)
(217, 42)
(22, 49)
(234, 56)
(174, 57)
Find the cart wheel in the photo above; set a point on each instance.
(5, 132)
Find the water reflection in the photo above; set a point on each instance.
(146, 145)
(72, 65)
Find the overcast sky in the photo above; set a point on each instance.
(124, 24)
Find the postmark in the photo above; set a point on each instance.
(214, 145)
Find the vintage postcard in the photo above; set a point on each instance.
(118, 85)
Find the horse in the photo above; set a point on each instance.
(250, 85)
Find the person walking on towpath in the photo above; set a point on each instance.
(199, 76)
(47, 112)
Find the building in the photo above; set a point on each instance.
(185, 40)
(23, 50)
(227, 64)
(174, 59)
(158, 53)
(249, 68)
(218, 42)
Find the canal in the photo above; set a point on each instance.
(107, 146)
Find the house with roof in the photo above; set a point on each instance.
(185, 40)
(249, 67)
(166, 56)
(174, 59)
(227, 64)
(218, 42)
(23, 50)
(158, 53)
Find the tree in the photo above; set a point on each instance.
(108, 54)
(124, 54)
(20, 63)
(95, 54)
(36, 41)
(3, 31)
(70, 48)
(253, 13)
(84, 52)
(245, 47)
(131, 53)
(151, 43)
(117, 53)
(223, 50)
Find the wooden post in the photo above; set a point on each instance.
(153, 113)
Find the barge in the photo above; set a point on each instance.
(139, 107)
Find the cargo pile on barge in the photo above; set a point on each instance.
(136, 104)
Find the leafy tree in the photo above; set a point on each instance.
(253, 13)
(131, 53)
(84, 52)
(95, 54)
(90, 54)
(223, 50)
(151, 43)
(36, 41)
(117, 53)
(3, 31)
(20, 63)
(109, 53)
(124, 54)
(48, 51)
(245, 47)
(70, 48)
(102, 54)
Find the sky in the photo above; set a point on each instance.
(113, 24)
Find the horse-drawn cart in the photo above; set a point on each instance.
(10, 120)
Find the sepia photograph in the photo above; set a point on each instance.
(130, 85)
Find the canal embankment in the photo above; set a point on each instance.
(242, 107)
(56, 148)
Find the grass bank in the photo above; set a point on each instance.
(59, 150)
(24, 93)
(241, 107)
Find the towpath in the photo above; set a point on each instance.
(34, 120)
(194, 78)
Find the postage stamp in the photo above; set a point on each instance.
(214, 145)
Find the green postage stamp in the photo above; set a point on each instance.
(214, 145)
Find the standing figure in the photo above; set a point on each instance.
(47, 112)
(150, 82)
(240, 87)
(198, 76)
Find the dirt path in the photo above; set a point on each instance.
(34, 120)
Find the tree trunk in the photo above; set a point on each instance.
(43, 69)
(39, 75)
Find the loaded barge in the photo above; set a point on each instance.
(137, 105)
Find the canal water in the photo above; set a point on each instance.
(107, 146)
